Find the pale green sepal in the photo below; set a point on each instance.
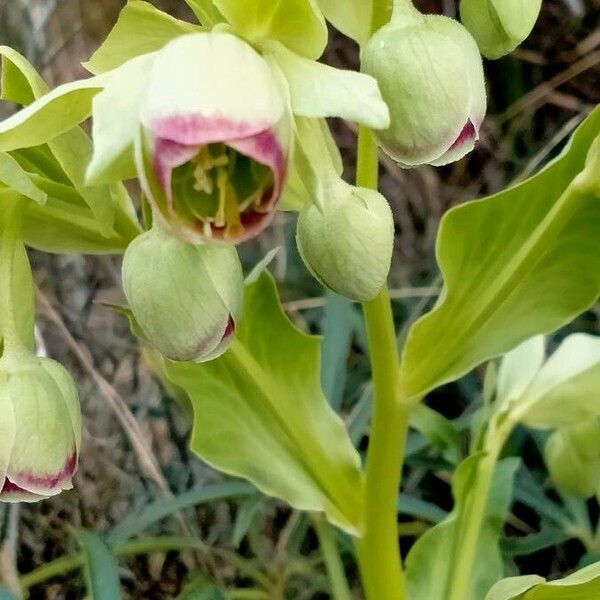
(50, 115)
(140, 29)
(565, 390)
(318, 90)
(260, 414)
(206, 12)
(116, 112)
(429, 562)
(298, 24)
(499, 26)
(572, 455)
(518, 369)
(505, 284)
(351, 17)
(261, 266)
(18, 180)
(581, 585)
(347, 243)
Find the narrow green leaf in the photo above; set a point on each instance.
(420, 509)
(547, 537)
(17, 179)
(247, 511)
(206, 12)
(101, 568)
(200, 589)
(582, 585)
(138, 520)
(297, 24)
(260, 413)
(517, 264)
(140, 29)
(428, 563)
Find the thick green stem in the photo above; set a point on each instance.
(378, 550)
(335, 568)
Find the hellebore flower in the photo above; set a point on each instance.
(499, 26)
(213, 150)
(348, 243)
(40, 429)
(185, 298)
(430, 74)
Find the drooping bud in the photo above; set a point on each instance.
(573, 458)
(215, 139)
(186, 298)
(430, 75)
(499, 26)
(348, 243)
(40, 429)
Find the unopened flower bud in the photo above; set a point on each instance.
(40, 429)
(499, 26)
(573, 458)
(347, 244)
(185, 298)
(216, 137)
(430, 75)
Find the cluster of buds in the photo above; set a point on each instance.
(209, 124)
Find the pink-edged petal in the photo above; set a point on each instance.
(462, 145)
(45, 485)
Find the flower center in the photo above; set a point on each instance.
(220, 189)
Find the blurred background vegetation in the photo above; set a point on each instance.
(135, 453)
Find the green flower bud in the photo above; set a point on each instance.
(499, 26)
(186, 299)
(40, 429)
(573, 458)
(347, 245)
(431, 76)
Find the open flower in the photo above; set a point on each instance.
(40, 429)
(185, 298)
(430, 74)
(215, 138)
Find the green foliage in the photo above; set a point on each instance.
(101, 569)
(140, 29)
(429, 563)
(260, 414)
(200, 589)
(517, 264)
(206, 12)
(582, 585)
(352, 17)
(298, 24)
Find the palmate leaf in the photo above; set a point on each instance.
(260, 413)
(517, 264)
(582, 585)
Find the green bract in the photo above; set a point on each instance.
(40, 429)
(186, 299)
(430, 74)
(573, 458)
(347, 243)
(499, 26)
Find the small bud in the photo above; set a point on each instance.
(348, 243)
(499, 26)
(186, 299)
(40, 429)
(573, 458)
(431, 76)
(216, 138)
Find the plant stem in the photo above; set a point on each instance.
(334, 565)
(378, 550)
(469, 529)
